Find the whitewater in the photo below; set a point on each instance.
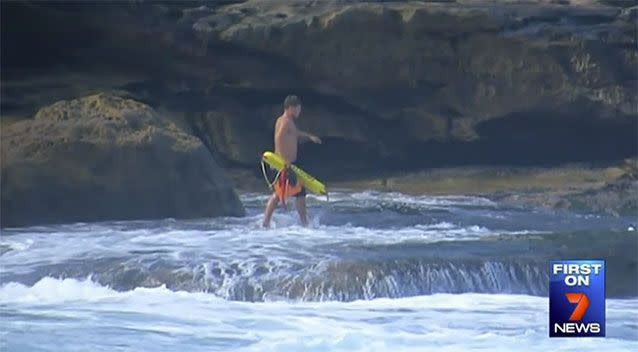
(373, 272)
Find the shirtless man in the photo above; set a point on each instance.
(287, 136)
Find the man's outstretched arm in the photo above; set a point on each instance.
(309, 136)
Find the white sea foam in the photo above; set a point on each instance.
(78, 315)
(365, 197)
(88, 315)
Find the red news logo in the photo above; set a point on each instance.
(582, 303)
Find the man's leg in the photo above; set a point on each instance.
(301, 209)
(270, 208)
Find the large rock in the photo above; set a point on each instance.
(104, 157)
(619, 197)
(458, 62)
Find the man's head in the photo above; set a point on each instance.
(292, 106)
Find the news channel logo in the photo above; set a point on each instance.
(577, 298)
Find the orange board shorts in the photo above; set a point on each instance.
(287, 185)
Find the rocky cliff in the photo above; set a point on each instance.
(387, 84)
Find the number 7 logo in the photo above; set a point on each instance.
(582, 303)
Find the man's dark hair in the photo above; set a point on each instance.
(291, 100)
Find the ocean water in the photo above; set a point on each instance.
(373, 272)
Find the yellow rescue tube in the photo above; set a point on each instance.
(310, 183)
